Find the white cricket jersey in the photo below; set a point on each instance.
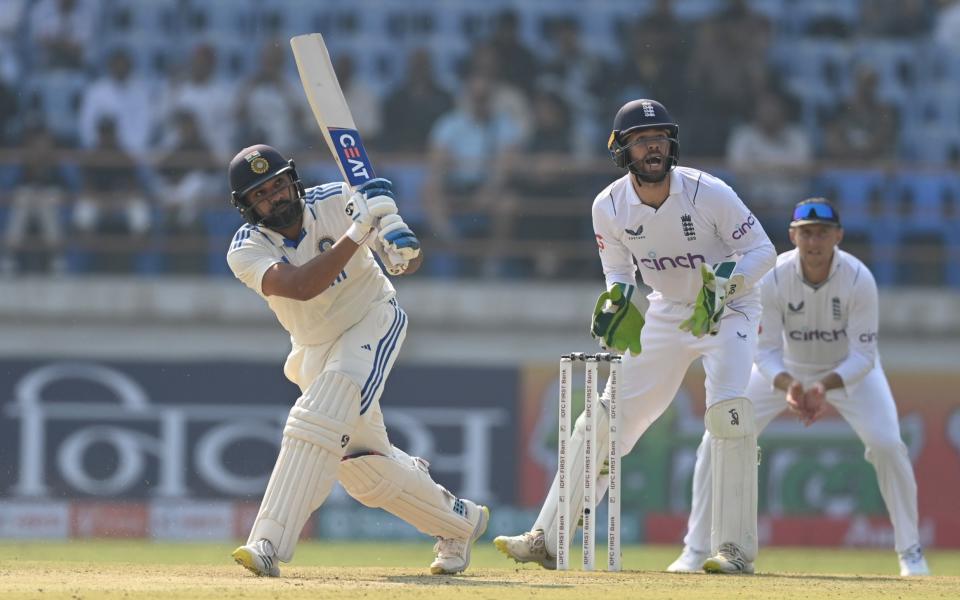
(360, 285)
(702, 221)
(830, 327)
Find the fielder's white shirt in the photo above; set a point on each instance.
(360, 286)
(702, 221)
(830, 327)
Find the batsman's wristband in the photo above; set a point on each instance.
(357, 233)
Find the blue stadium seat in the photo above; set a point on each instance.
(226, 16)
(861, 195)
(220, 225)
(928, 203)
(933, 143)
(937, 104)
(150, 50)
(803, 14)
(237, 58)
(897, 64)
(157, 16)
(775, 10)
(408, 179)
(695, 10)
(60, 94)
(815, 60)
(943, 64)
(921, 200)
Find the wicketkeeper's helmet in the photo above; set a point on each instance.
(638, 115)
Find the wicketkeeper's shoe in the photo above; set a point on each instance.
(453, 555)
(526, 547)
(690, 561)
(259, 558)
(728, 560)
(912, 562)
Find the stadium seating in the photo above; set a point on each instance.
(816, 50)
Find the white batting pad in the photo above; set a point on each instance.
(316, 433)
(401, 485)
(733, 455)
(548, 514)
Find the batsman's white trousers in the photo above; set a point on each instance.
(650, 381)
(371, 469)
(365, 353)
(870, 409)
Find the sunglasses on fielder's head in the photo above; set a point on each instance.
(815, 212)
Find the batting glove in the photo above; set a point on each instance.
(398, 239)
(371, 201)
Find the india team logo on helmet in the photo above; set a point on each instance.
(254, 166)
(258, 164)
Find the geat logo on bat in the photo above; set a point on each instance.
(352, 155)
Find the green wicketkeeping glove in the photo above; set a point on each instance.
(719, 285)
(616, 321)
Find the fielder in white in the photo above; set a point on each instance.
(309, 254)
(819, 343)
(701, 251)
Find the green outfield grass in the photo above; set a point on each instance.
(137, 569)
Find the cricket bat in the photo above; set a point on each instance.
(333, 115)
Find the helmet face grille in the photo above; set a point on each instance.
(638, 115)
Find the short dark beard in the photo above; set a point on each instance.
(288, 214)
(645, 178)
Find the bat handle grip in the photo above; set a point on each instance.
(395, 264)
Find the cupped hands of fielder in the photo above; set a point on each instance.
(807, 404)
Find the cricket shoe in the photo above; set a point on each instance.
(728, 560)
(689, 561)
(259, 558)
(912, 562)
(453, 555)
(526, 547)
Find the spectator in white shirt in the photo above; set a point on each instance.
(123, 98)
(770, 155)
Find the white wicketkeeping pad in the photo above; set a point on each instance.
(733, 455)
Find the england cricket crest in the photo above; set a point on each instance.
(686, 222)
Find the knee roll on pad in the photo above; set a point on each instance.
(401, 485)
(731, 418)
(314, 437)
(733, 456)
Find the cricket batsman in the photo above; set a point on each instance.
(702, 252)
(309, 253)
(818, 345)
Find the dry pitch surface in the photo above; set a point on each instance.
(134, 569)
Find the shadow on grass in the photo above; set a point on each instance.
(468, 581)
(837, 577)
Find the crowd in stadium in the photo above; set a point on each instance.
(117, 119)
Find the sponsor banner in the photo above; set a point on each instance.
(21, 519)
(109, 519)
(816, 473)
(139, 430)
(855, 531)
(191, 520)
(244, 514)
